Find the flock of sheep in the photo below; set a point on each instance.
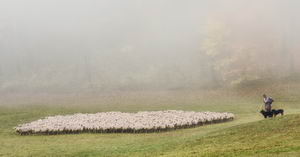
(112, 122)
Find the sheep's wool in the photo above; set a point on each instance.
(109, 122)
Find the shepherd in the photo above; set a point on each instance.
(268, 103)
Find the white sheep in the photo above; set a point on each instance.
(121, 122)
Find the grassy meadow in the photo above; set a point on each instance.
(248, 135)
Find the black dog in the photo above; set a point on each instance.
(279, 111)
(273, 113)
(266, 114)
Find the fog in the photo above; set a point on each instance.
(65, 46)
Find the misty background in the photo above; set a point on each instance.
(76, 46)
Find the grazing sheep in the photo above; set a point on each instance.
(111, 122)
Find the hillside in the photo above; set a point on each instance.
(241, 137)
(279, 136)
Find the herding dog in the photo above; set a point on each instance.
(279, 111)
(273, 113)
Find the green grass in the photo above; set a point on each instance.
(209, 140)
(278, 136)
